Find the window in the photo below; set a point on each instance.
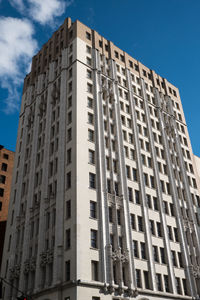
(1, 192)
(155, 203)
(178, 285)
(88, 61)
(69, 156)
(174, 258)
(140, 223)
(94, 267)
(155, 253)
(143, 250)
(133, 225)
(159, 282)
(69, 134)
(170, 233)
(180, 259)
(5, 156)
(137, 197)
(152, 181)
(90, 135)
(91, 157)
(2, 179)
(88, 35)
(88, 49)
(93, 238)
(118, 217)
(162, 255)
(90, 102)
(93, 209)
(130, 194)
(134, 174)
(67, 270)
(89, 88)
(159, 230)
(90, 118)
(135, 248)
(149, 201)
(92, 183)
(89, 74)
(68, 180)
(138, 278)
(4, 167)
(0, 205)
(68, 238)
(68, 209)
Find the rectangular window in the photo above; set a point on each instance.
(138, 278)
(159, 282)
(135, 248)
(1, 192)
(140, 223)
(146, 280)
(130, 194)
(68, 209)
(137, 197)
(68, 238)
(92, 180)
(159, 230)
(152, 227)
(2, 179)
(89, 88)
(143, 250)
(110, 214)
(155, 253)
(166, 281)
(134, 174)
(90, 135)
(133, 225)
(162, 255)
(90, 118)
(91, 157)
(5, 156)
(94, 267)
(68, 180)
(67, 270)
(93, 238)
(4, 167)
(93, 209)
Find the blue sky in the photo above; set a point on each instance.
(162, 34)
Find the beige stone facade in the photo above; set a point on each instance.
(105, 197)
(6, 168)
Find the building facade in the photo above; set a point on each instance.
(105, 197)
(6, 168)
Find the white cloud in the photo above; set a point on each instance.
(44, 11)
(18, 4)
(17, 48)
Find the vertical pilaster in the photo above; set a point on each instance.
(144, 206)
(159, 190)
(175, 197)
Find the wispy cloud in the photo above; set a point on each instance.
(17, 48)
(41, 11)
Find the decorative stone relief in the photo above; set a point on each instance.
(117, 255)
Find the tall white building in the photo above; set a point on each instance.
(105, 194)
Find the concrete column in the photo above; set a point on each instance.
(159, 191)
(144, 206)
(179, 220)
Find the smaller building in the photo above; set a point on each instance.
(6, 168)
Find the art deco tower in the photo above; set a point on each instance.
(105, 197)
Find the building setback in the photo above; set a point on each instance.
(105, 198)
(6, 167)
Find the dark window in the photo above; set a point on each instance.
(68, 180)
(2, 179)
(162, 255)
(92, 183)
(110, 214)
(146, 280)
(134, 174)
(159, 282)
(67, 270)
(137, 197)
(166, 281)
(135, 249)
(119, 217)
(159, 230)
(130, 194)
(93, 238)
(5, 156)
(0, 205)
(68, 238)
(88, 35)
(68, 209)
(94, 266)
(93, 209)
(155, 202)
(178, 285)
(138, 278)
(1, 192)
(155, 253)
(152, 227)
(133, 225)
(140, 223)
(4, 167)
(143, 250)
